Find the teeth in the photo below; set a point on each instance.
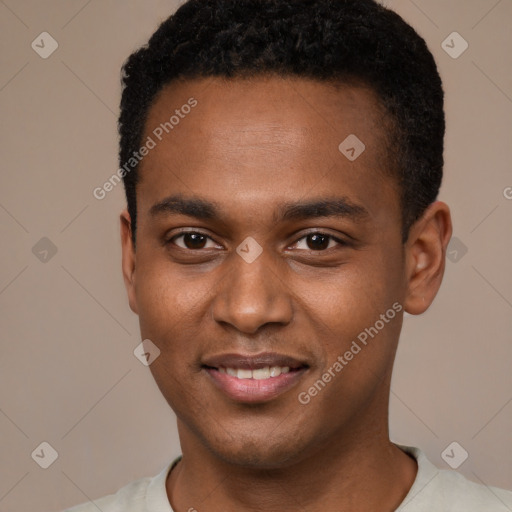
(275, 371)
(259, 374)
(244, 374)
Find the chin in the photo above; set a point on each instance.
(256, 449)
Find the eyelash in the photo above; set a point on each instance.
(331, 237)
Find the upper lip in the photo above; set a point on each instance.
(252, 362)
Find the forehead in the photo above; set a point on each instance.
(268, 110)
(263, 139)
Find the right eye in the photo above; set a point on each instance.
(191, 240)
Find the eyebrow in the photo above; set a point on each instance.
(207, 210)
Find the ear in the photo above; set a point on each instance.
(425, 254)
(128, 259)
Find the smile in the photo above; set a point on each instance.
(259, 374)
(251, 379)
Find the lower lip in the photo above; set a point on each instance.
(254, 390)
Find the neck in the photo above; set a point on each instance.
(358, 470)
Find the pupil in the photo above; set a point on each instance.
(195, 239)
(324, 241)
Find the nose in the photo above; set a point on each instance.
(252, 295)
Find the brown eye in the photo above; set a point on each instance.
(319, 241)
(191, 240)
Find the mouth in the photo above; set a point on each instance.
(253, 379)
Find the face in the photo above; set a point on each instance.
(263, 254)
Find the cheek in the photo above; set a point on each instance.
(163, 306)
(169, 317)
(167, 295)
(347, 310)
(352, 297)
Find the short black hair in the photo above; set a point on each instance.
(334, 41)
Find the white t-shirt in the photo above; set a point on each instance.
(433, 490)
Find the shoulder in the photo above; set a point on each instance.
(129, 498)
(461, 494)
(147, 493)
(449, 491)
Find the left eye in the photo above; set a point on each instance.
(192, 240)
(319, 241)
(316, 241)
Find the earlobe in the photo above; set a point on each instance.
(426, 256)
(128, 259)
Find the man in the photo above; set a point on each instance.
(282, 161)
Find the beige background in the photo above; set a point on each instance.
(68, 375)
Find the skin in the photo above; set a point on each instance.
(250, 146)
